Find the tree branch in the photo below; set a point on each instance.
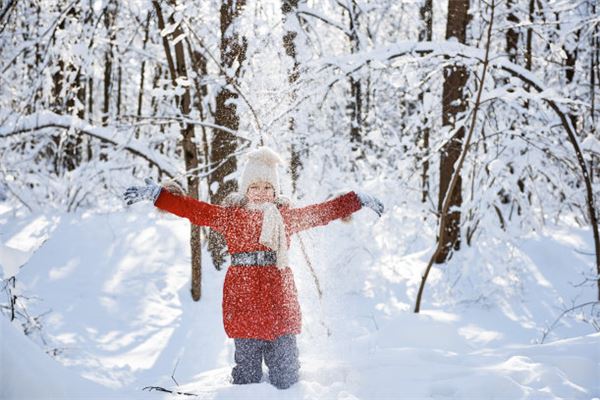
(48, 119)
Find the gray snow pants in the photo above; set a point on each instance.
(280, 355)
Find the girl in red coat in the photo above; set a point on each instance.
(260, 304)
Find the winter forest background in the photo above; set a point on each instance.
(494, 102)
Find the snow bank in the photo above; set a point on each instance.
(121, 314)
(28, 373)
(11, 260)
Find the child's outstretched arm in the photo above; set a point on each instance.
(299, 219)
(198, 212)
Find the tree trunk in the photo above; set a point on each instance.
(512, 51)
(529, 51)
(288, 10)
(595, 41)
(425, 34)
(143, 72)
(593, 66)
(570, 62)
(119, 92)
(190, 152)
(453, 104)
(155, 84)
(73, 142)
(109, 21)
(90, 113)
(512, 34)
(64, 94)
(355, 105)
(191, 163)
(200, 65)
(223, 143)
(444, 216)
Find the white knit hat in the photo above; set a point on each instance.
(261, 166)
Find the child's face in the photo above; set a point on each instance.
(260, 192)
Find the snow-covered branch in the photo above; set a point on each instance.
(16, 125)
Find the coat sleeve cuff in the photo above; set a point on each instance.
(156, 195)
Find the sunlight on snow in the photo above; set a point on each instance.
(64, 271)
(67, 338)
(117, 340)
(509, 311)
(11, 260)
(34, 234)
(478, 335)
(159, 309)
(441, 316)
(110, 304)
(142, 356)
(526, 371)
(144, 243)
(567, 238)
(398, 269)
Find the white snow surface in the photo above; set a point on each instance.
(29, 373)
(119, 316)
(11, 260)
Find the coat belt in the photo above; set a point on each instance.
(254, 258)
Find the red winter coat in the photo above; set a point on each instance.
(259, 302)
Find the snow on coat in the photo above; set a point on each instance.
(259, 302)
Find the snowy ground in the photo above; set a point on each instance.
(114, 291)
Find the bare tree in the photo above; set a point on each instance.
(68, 90)
(594, 70)
(179, 75)
(512, 33)
(513, 37)
(571, 51)
(355, 103)
(224, 143)
(446, 217)
(110, 14)
(289, 9)
(143, 70)
(425, 34)
(453, 105)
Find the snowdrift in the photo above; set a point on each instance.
(119, 316)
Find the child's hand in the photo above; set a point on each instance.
(366, 200)
(134, 194)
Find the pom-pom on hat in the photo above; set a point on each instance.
(261, 165)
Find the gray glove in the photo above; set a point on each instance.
(133, 194)
(366, 200)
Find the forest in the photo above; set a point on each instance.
(474, 121)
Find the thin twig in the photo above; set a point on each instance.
(316, 280)
(162, 389)
(173, 373)
(565, 312)
(456, 174)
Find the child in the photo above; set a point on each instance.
(260, 304)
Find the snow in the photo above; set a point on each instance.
(591, 144)
(28, 373)
(11, 260)
(121, 318)
(496, 167)
(102, 300)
